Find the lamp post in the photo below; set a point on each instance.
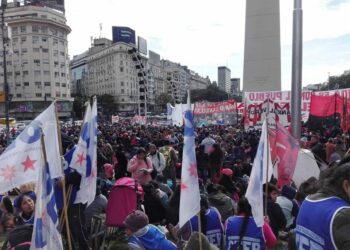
(297, 68)
(6, 86)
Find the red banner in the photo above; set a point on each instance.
(206, 108)
(323, 106)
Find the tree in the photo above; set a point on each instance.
(107, 103)
(162, 100)
(338, 82)
(212, 94)
(79, 106)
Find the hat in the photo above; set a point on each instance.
(227, 172)
(289, 192)
(136, 220)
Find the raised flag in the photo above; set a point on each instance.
(87, 190)
(261, 172)
(190, 196)
(46, 234)
(21, 161)
(287, 150)
(115, 118)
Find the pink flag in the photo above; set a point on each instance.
(287, 149)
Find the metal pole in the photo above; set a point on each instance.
(6, 87)
(297, 68)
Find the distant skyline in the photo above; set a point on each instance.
(205, 34)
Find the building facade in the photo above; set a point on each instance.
(78, 74)
(37, 61)
(235, 86)
(224, 79)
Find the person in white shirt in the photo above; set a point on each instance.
(207, 142)
(157, 158)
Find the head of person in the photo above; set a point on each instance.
(227, 172)
(6, 205)
(272, 191)
(243, 207)
(207, 134)
(135, 221)
(109, 171)
(288, 192)
(26, 204)
(152, 149)
(141, 154)
(8, 222)
(339, 179)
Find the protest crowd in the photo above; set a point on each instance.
(138, 191)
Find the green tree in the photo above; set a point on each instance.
(79, 106)
(107, 103)
(162, 100)
(337, 82)
(211, 94)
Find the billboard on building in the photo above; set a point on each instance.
(54, 4)
(154, 58)
(142, 45)
(123, 34)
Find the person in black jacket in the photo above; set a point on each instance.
(274, 211)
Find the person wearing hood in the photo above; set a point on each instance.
(323, 221)
(288, 205)
(220, 201)
(145, 236)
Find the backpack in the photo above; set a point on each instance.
(20, 237)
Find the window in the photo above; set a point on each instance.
(35, 28)
(23, 39)
(37, 61)
(47, 84)
(9, 73)
(55, 41)
(122, 91)
(55, 53)
(44, 29)
(58, 94)
(63, 74)
(54, 32)
(26, 84)
(62, 42)
(18, 84)
(24, 51)
(63, 85)
(37, 73)
(46, 61)
(14, 30)
(37, 84)
(45, 50)
(57, 74)
(43, 16)
(38, 94)
(44, 39)
(19, 95)
(121, 69)
(17, 73)
(35, 39)
(122, 84)
(46, 73)
(64, 95)
(48, 94)
(57, 84)
(62, 53)
(23, 29)
(25, 73)
(55, 64)
(36, 50)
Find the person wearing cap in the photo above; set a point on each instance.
(145, 236)
(140, 167)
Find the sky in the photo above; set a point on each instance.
(205, 34)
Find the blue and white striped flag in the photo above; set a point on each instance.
(46, 234)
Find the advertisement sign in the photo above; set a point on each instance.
(123, 34)
(215, 113)
(142, 45)
(256, 105)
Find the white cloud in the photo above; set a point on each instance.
(203, 34)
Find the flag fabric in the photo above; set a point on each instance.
(46, 233)
(115, 118)
(287, 149)
(21, 161)
(261, 171)
(87, 190)
(190, 197)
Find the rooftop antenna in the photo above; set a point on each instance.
(100, 30)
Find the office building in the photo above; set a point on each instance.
(224, 79)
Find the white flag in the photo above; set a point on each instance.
(190, 196)
(21, 161)
(262, 162)
(46, 234)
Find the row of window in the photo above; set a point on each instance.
(19, 95)
(37, 29)
(46, 84)
(36, 73)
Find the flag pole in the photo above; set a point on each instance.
(65, 212)
(199, 230)
(267, 155)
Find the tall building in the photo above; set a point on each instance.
(78, 74)
(235, 86)
(224, 79)
(262, 49)
(37, 61)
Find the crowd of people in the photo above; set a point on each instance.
(153, 155)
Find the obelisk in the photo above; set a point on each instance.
(262, 49)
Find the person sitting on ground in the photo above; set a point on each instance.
(143, 235)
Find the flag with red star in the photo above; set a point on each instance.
(46, 233)
(21, 161)
(190, 196)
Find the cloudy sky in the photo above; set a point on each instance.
(205, 34)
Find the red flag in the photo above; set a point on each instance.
(323, 106)
(287, 149)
